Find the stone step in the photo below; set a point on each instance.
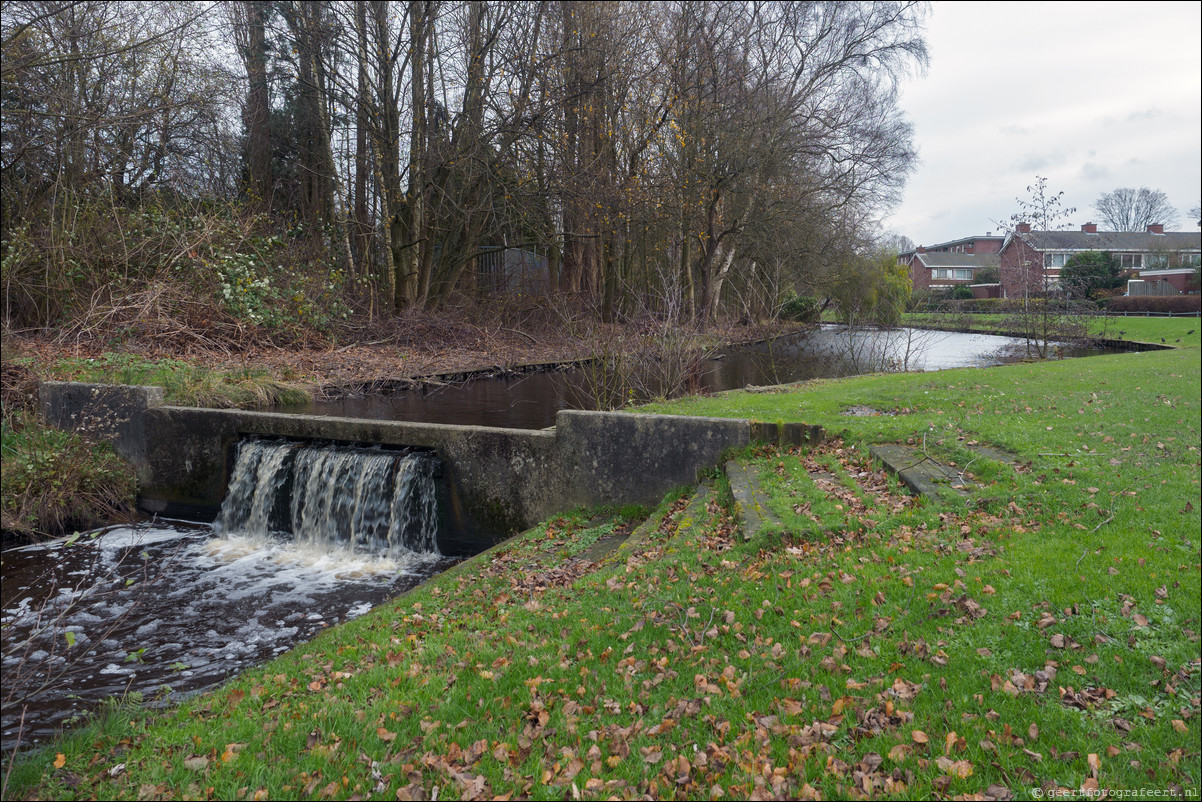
(751, 510)
(695, 514)
(920, 472)
(604, 547)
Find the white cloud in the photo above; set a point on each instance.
(1093, 97)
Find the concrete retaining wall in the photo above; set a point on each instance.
(502, 480)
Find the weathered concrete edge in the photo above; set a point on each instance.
(503, 479)
(114, 413)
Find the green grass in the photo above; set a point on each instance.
(896, 648)
(183, 383)
(1139, 329)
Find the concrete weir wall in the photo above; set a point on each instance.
(501, 480)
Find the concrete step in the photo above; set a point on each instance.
(920, 472)
(751, 510)
(695, 514)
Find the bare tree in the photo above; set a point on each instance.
(102, 94)
(1127, 209)
(739, 148)
(248, 18)
(1043, 320)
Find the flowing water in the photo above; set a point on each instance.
(307, 537)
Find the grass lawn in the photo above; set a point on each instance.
(1039, 632)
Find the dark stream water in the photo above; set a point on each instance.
(530, 400)
(164, 609)
(308, 537)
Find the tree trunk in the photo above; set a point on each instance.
(409, 266)
(362, 224)
(258, 104)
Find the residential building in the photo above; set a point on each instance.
(942, 267)
(1031, 261)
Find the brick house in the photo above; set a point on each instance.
(1031, 261)
(949, 264)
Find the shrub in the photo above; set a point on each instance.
(800, 308)
(1163, 304)
(169, 270)
(54, 480)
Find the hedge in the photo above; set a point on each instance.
(1162, 304)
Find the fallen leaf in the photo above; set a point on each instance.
(60, 760)
(959, 768)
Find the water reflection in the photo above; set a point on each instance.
(530, 401)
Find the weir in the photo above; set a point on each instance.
(497, 481)
(365, 501)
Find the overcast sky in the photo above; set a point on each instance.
(1092, 96)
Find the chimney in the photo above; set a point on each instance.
(920, 249)
(1090, 228)
(1022, 228)
(1155, 228)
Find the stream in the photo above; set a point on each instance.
(530, 400)
(310, 537)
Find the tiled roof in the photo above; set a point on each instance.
(1118, 241)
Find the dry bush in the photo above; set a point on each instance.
(181, 277)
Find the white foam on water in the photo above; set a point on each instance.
(194, 606)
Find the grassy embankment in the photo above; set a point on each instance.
(1043, 632)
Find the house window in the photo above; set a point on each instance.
(1055, 259)
(951, 273)
(1131, 261)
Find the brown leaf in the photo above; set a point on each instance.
(959, 768)
(196, 763)
(385, 735)
(60, 760)
(651, 754)
(919, 737)
(413, 792)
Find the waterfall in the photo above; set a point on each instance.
(366, 500)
